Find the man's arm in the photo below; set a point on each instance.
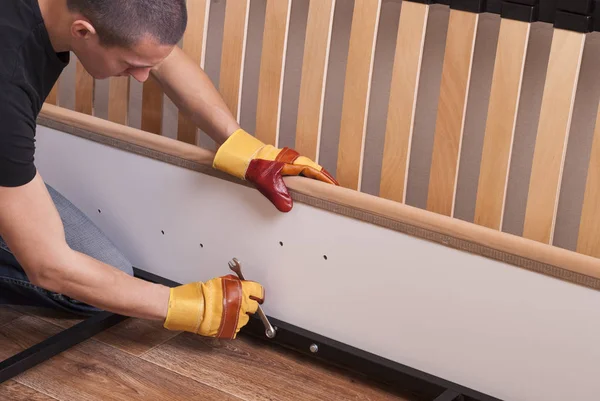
(33, 230)
(239, 154)
(192, 91)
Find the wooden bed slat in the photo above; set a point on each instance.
(84, 90)
(403, 100)
(456, 77)
(118, 105)
(194, 45)
(233, 53)
(553, 134)
(314, 77)
(588, 242)
(503, 109)
(152, 106)
(357, 87)
(268, 112)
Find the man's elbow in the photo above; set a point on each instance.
(48, 272)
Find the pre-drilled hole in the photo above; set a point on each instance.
(162, 231)
(99, 211)
(325, 257)
(280, 243)
(201, 246)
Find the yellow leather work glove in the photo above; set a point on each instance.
(245, 157)
(218, 308)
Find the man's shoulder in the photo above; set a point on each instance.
(18, 20)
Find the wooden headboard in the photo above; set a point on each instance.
(469, 123)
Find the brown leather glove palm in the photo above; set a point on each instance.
(218, 308)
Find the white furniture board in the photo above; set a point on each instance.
(496, 328)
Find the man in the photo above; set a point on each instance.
(50, 253)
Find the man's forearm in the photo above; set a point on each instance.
(31, 226)
(89, 280)
(194, 94)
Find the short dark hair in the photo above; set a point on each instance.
(123, 22)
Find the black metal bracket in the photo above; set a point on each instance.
(56, 344)
(573, 15)
(473, 6)
(520, 10)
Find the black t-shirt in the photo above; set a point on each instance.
(29, 68)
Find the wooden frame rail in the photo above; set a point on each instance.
(570, 22)
(533, 255)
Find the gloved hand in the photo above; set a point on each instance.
(245, 157)
(217, 308)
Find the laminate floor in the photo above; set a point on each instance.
(140, 360)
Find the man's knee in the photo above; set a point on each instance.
(84, 236)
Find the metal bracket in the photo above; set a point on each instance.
(56, 344)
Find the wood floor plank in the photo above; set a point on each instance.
(93, 370)
(134, 336)
(14, 391)
(8, 314)
(253, 370)
(57, 317)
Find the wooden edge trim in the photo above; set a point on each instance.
(532, 255)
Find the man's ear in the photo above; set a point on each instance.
(81, 29)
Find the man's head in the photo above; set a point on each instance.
(125, 37)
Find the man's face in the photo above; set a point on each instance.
(103, 62)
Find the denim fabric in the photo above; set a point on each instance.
(81, 235)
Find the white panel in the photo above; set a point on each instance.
(501, 330)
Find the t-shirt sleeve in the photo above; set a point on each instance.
(17, 136)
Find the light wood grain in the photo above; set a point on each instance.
(234, 367)
(152, 106)
(403, 100)
(317, 46)
(588, 241)
(194, 45)
(14, 391)
(52, 97)
(389, 211)
(357, 88)
(129, 134)
(452, 108)
(272, 63)
(118, 104)
(136, 336)
(501, 121)
(95, 371)
(84, 90)
(553, 134)
(233, 54)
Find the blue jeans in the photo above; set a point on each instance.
(81, 235)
